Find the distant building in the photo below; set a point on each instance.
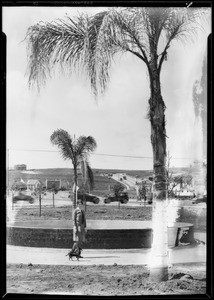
(21, 167)
(33, 184)
(53, 184)
(19, 185)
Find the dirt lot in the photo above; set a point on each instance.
(103, 280)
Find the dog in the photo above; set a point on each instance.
(76, 253)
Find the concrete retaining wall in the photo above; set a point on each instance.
(96, 238)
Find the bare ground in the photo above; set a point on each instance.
(103, 280)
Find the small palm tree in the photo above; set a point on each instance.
(76, 150)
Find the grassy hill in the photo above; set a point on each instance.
(66, 174)
(102, 183)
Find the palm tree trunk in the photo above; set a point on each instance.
(75, 188)
(159, 252)
(84, 201)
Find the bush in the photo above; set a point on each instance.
(118, 188)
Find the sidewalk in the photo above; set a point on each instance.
(50, 256)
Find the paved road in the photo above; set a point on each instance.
(129, 182)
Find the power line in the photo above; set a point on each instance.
(98, 154)
(117, 155)
(33, 150)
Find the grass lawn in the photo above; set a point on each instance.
(94, 212)
(195, 214)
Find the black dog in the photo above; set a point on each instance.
(76, 253)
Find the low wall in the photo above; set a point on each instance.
(97, 238)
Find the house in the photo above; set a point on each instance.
(33, 184)
(21, 167)
(19, 185)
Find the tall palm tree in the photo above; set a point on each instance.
(76, 150)
(90, 44)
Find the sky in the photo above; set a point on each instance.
(117, 120)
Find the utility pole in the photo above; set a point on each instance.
(8, 171)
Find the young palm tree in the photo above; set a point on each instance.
(90, 43)
(76, 150)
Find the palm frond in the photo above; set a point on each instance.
(87, 173)
(63, 140)
(91, 43)
(110, 33)
(90, 177)
(48, 44)
(181, 24)
(84, 146)
(184, 23)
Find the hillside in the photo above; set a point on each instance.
(66, 176)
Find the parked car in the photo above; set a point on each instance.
(200, 200)
(185, 195)
(23, 197)
(88, 197)
(122, 197)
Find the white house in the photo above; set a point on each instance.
(33, 184)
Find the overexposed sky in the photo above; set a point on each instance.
(117, 122)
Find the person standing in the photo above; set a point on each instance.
(79, 227)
